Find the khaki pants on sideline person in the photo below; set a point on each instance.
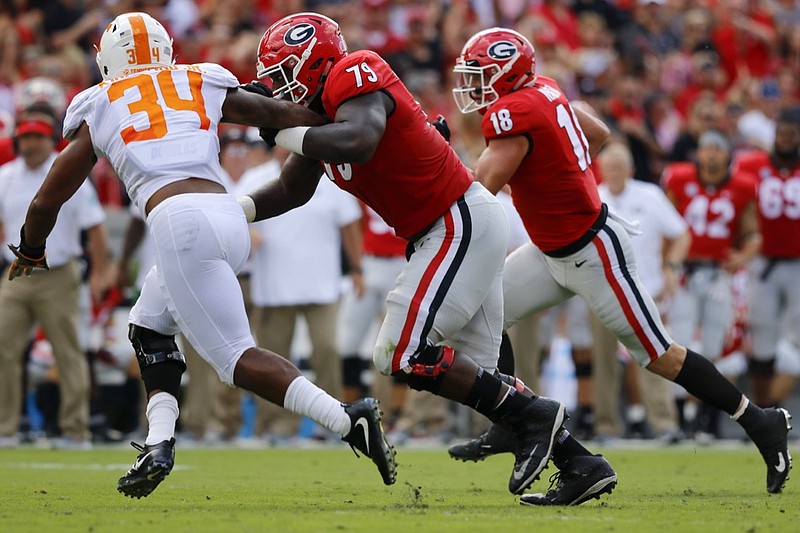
(275, 328)
(656, 392)
(49, 298)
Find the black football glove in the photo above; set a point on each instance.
(256, 87)
(27, 258)
(441, 126)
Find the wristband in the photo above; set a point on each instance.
(292, 138)
(29, 251)
(248, 205)
(673, 265)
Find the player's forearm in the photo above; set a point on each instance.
(596, 131)
(341, 142)
(39, 222)
(352, 242)
(242, 107)
(676, 250)
(293, 188)
(751, 246)
(98, 249)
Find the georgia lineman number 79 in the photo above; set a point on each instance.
(502, 122)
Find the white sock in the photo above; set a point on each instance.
(306, 399)
(162, 412)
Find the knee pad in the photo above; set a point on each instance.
(160, 362)
(427, 368)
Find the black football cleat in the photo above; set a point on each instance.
(495, 440)
(154, 463)
(367, 436)
(583, 478)
(535, 428)
(771, 437)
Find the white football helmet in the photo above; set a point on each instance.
(131, 43)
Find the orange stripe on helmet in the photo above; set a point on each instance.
(141, 40)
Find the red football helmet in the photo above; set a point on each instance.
(493, 63)
(297, 52)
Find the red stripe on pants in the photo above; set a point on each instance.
(623, 300)
(422, 289)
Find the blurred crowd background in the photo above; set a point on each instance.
(659, 72)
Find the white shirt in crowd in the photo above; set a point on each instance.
(299, 260)
(658, 219)
(18, 186)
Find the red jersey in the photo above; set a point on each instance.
(379, 237)
(713, 213)
(554, 188)
(778, 204)
(414, 176)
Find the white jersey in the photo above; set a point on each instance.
(156, 127)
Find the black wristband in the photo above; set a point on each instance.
(29, 251)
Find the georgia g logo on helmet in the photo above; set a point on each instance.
(299, 34)
(502, 50)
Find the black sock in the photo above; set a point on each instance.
(565, 448)
(514, 402)
(702, 379)
(751, 418)
(483, 394)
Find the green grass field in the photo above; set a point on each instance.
(675, 489)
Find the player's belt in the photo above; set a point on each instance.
(584, 239)
(692, 266)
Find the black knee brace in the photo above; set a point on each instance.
(427, 368)
(160, 361)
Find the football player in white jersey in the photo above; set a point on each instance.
(156, 122)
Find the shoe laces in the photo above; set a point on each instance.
(138, 446)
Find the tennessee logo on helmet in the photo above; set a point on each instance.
(502, 50)
(299, 34)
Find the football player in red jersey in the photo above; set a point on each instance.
(719, 207)
(541, 145)
(442, 330)
(774, 291)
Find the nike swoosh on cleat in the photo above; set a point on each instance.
(362, 423)
(153, 475)
(518, 474)
(781, 466)
(140, 460)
